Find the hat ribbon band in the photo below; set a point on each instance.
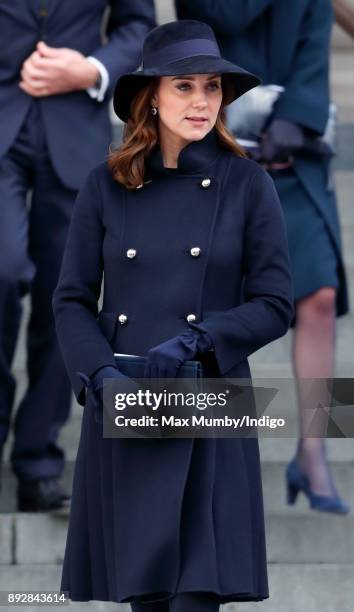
(182, 50)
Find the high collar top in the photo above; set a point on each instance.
(195, 157)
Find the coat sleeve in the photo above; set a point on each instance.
(226, 17)
(267, 308)
(306, 97)
(75, 300)
(129, 22)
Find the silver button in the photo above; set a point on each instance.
(206, 183)
(122, 319)
(131, 253)
(191, 318)
(195, 251)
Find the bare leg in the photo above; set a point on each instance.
(313, 357)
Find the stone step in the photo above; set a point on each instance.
(305, 587)
(344, 160)
(345, 185)
(342, 84)
(347, 240)
(7, 538)
(262, 366)
(282, 450)
(34, 539)
(313, 538)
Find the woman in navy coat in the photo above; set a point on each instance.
(191, 239)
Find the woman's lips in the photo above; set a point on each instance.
(197, 120)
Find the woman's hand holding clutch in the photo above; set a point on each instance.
(164, 360)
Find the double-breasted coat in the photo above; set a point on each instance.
(151, 517)
(288, 44)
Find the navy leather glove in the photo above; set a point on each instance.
(109, 372)
(163, 360)
(280, 140)
(96, 383)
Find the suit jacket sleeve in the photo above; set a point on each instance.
(83, 345)
(267, 308)
(306, 98)
(129, 22)
(226, 17)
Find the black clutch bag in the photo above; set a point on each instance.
(134, 365)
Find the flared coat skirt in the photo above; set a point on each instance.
(151, 518)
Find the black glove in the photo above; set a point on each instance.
(280, 140)
(163, 360)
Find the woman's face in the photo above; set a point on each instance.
(188, 105)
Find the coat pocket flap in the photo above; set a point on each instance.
(107, 322)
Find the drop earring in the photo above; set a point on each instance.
(154, 110)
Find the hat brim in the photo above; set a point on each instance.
(130, 84)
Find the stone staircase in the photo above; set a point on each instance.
(311, 555)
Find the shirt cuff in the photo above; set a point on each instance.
(98, 93)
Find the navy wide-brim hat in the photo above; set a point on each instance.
(180, 48)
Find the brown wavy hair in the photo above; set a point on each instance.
(140, 136)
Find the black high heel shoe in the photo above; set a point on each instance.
(296, 481)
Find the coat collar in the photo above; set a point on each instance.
(193, 158)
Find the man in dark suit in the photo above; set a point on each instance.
(56, 77)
